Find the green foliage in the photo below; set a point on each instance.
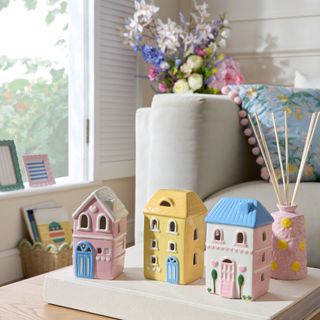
(214, 274)
(240, 280)
(209, 290)
(4, 4)
(34, 110)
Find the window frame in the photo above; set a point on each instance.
(221, 240)
(98, 219)
(88, 228)
(175, 246)
(175, 226)
(157, 229)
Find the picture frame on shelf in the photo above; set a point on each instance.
(38, 170)
(10, 174)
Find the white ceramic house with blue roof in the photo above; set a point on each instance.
(238, 249)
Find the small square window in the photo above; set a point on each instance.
(153, 260)
(264, 236)
(154, 244)
(99, 250)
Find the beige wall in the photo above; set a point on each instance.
(270, 38)
(12, 227)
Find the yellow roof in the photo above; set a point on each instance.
(175, 203)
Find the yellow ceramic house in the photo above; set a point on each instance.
(174, 236)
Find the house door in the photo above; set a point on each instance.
(84, 260)
(172, 270)
(228, 279)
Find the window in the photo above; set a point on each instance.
(107, 251)
(34, 92)
(262, 277)
(217, 235)
(195, 234)
(263, 257)
(264, 236)
(99, 250)
(153, 260)
(194, 259)
(154, 224)
(34, 79)
(165, 203)
(119, 228)
(241, 238)
(102, 223)
(172, 226)
(172, 247)
(154, 244)
(84, 221)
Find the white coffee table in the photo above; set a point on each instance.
(132, 297)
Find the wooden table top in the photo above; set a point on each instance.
(23, 301)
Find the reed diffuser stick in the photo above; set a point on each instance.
(287, 186)
(273, 174)
(279, 154)
(310, 134)
(265, 158)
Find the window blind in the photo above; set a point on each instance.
(114, 93)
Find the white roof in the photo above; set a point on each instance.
(108, 200)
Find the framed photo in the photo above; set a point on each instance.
(38, 170)
(10, 175)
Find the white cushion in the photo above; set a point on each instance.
(303, 81)
(308, 200)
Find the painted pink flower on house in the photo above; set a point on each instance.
(238, 249)
(99, 236)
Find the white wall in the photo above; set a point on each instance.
(271, 38)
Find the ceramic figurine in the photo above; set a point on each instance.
(99, 236)
(238, 249)
(174, 235)
(289, 256)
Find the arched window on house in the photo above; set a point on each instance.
(102, 223)
(241, 238)
(84, 221)
(218, 235)
(154, 226)
(172, 226)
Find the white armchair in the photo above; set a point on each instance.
(195, 142)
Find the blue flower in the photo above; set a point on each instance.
(177, 62)
(152, 55)
(135, 48)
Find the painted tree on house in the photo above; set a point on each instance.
(214, 276)
(240, 283)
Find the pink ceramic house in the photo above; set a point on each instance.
(99, 236)
(238, 249)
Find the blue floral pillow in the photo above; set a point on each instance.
(299, 104)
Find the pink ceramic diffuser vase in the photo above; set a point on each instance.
(289, 256)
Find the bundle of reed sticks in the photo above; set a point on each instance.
(284, 198)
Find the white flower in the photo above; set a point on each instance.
(195, 81)
(222, 43)
(181, 86)
(195, 62)
(168, 36)
(202, 12)
(144, 12)
(185, 68)
(203, 33)
(225, 22)
(164, 65)
(225, 33)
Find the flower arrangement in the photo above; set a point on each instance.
(185, 56)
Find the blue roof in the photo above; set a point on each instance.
(241, 212)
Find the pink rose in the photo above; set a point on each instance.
(229, 73)
(153, 73)
(163, 87)
(200, 52)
